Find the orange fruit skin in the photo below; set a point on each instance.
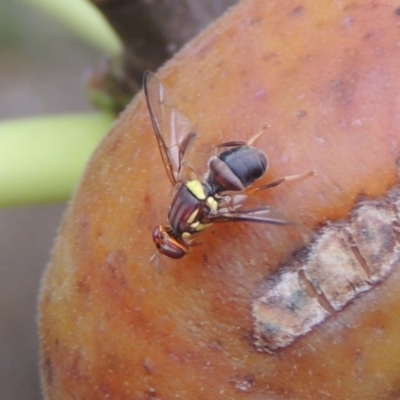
(324, 75)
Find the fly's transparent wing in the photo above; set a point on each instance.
(240, 207)
(173, 130)
(263, 215)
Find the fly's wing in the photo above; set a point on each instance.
(263, 215)
(172, 129)
(295, 238)
(240, 207)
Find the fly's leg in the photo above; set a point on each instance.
(279, 181)
(249, 142)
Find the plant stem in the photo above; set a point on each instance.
(84, 19)
(41, 159)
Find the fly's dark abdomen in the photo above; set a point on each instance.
(236, 168)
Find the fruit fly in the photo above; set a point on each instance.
(221, 196)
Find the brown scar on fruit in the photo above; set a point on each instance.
(345, 259)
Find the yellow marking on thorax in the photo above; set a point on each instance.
(197, 226)
(212, 204)
(192, 216)
(202, 226)
(197, 189)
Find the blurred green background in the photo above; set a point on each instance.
(42, 71)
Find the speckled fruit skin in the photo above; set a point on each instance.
(325, 77)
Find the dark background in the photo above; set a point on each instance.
(42, 70)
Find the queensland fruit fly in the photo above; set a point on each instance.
(221, 196)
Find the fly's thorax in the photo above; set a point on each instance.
(190, 208)
(236, 169)
(197, 189)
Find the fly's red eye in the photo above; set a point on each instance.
(166, 244)
(158, 236)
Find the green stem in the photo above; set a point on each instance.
(41, 159)
(84, 19)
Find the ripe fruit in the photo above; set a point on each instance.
(324, 76)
